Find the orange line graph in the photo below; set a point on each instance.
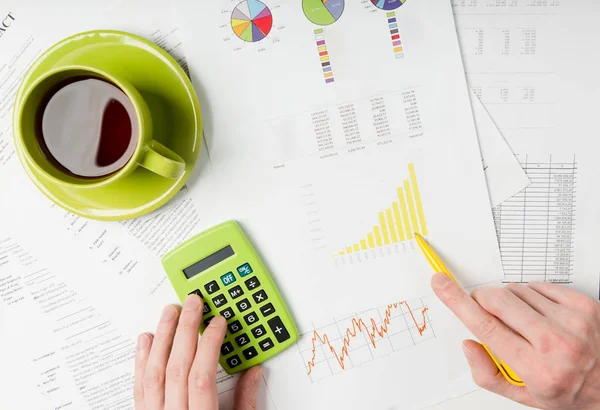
(358, 325)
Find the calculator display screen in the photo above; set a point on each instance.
(208, 262)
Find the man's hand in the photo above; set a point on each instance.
(548, 334)
(174, 372)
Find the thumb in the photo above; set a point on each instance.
(487, 375)
(247, 389)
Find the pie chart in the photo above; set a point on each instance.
(388, 4)
(323, 12)
(251, 21)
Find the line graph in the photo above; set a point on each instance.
(360, 338)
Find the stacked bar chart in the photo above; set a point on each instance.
(398, 223)
(324, 56)
(395, 34)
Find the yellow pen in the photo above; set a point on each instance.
(438, 266)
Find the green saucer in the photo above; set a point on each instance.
(175, 112)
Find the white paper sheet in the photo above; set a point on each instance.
(529, 63)
(58, 350)
(327, 157)
(504, 175)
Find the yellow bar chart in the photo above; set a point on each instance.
(397, 223)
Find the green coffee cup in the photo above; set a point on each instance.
(148, 153)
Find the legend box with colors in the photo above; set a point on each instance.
(395, 33)
(324, 56)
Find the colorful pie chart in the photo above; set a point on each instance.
(251, 21)
(388, 4)
(323, 12)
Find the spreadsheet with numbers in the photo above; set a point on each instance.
(536, 227)
(542, 103)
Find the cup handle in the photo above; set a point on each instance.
(162, 161)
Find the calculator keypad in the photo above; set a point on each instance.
(260, 296)
(244, 270)
(266, 344)
(234, 361)
(250, 353)
(235, 327)
(238, 297)
(226, 348)
(267, 309)
(251, 318)
(242, 340)
(219, 301)
(243, 305)
(252, 283)
(212, 287)
(227, 313)
(259, 331)
(277, 327)
(236, 292)
(206, 309)
(228, 278)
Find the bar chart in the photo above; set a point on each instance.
(397, 223)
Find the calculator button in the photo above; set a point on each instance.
(235, 327)
(260, 296)
(227, 348)
(266, 344)
(219, 300)
(251, 318)
(236, 292)
(234, 361)
(242, 340)
(252, 283)
(228, 278)
(278, 329)
(211, 287)
(196, 292)
(250, 353)
(207, 320)
(258, 331)
(267, 309)
(227, 313)
(206, 310)
(243, 305)
(244, 270)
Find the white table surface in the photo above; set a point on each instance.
(479, 400)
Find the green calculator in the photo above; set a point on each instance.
(221, 266)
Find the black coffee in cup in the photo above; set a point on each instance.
(88, 127)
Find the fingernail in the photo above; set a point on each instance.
(468, 352)
(192, 302)
(258, 375)
(440, 281)
(142, 342)
(169, 313)
(217, 321)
